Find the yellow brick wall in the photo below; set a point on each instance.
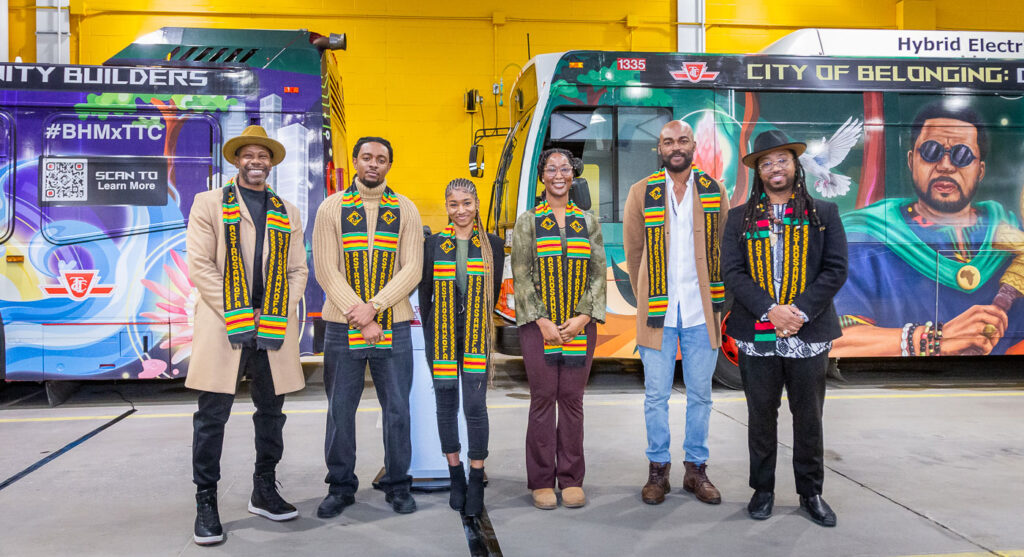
(410, 62)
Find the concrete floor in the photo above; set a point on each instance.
(908, 472)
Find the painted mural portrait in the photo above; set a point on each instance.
(936, 272)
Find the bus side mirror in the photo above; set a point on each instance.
(476, 161)
(580, 193)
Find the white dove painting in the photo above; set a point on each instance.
(822, 156)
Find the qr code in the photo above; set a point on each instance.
(64, 180)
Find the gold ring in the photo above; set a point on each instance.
(988, 331)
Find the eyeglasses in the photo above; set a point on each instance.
(766, 166)
(960, 155)
(551, 170)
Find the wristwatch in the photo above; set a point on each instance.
(376, 306)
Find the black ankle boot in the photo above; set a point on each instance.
(208, 530)
(475, 492)
(457, 497)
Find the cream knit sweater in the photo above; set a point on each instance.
(329, 261)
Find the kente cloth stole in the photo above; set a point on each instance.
(760, 239)
(238, 314)
(563, 275)
(657, 256)
(368, 272)
(443, 353)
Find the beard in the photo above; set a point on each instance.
(246, 175)
(666, 161)
(371, 183)
(941, 205)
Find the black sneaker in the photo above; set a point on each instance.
(208, 530)
(267, 502)
(401, 501)
(333, 504)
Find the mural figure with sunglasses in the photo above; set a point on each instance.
(925, 271)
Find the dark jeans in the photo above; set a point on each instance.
(214, 410)
(804, 380)
(343, 379)
(554, 445)
(474, 405)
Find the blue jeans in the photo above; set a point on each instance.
(699, 361)
(343, 379)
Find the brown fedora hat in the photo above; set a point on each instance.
(769, 141)
(253, 135)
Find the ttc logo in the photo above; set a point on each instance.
(78, 285)
(694, 72)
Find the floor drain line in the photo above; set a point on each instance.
(45, 460)
(480, 536)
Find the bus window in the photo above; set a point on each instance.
(637, 130)
(6, 175)
(589, 134)
(110, 175)
(618, 147)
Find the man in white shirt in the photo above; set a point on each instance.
(671, 234)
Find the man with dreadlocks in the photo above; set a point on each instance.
(784, 259)
(247, 261)
(462, 267)
(558, 272)
(368, 255)
(672, 228)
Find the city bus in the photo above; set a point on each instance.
(98, 169)
(908, 275)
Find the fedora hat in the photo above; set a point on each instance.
(253, 135)
(772, 140)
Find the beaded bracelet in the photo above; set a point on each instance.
(924, 339)
(937, 339)
(905, 339)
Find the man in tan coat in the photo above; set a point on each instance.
(247, 259)
(368, 252)
(672, 230)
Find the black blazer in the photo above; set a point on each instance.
(826, 273)
(431, 250)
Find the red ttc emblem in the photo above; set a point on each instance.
(694, 72)
(79, 285)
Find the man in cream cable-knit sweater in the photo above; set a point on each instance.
(368, 255)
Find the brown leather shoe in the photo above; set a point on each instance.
(696, 481)
(657, 485)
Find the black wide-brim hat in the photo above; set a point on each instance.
(769, 141)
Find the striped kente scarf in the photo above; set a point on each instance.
(760, 261)
(657, 256)
(564, 275)
(238, 314)
(366, 272)
(443, 355)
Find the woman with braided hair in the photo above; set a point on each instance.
(461, 275)
(558, 271)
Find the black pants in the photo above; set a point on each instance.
(214, 410)
(474, 405)
(344, 376)
(804, 380)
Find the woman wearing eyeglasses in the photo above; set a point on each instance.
(461, 275)
(558, 269)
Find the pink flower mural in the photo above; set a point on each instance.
(179, 309)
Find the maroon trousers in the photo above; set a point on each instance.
(554, 434)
